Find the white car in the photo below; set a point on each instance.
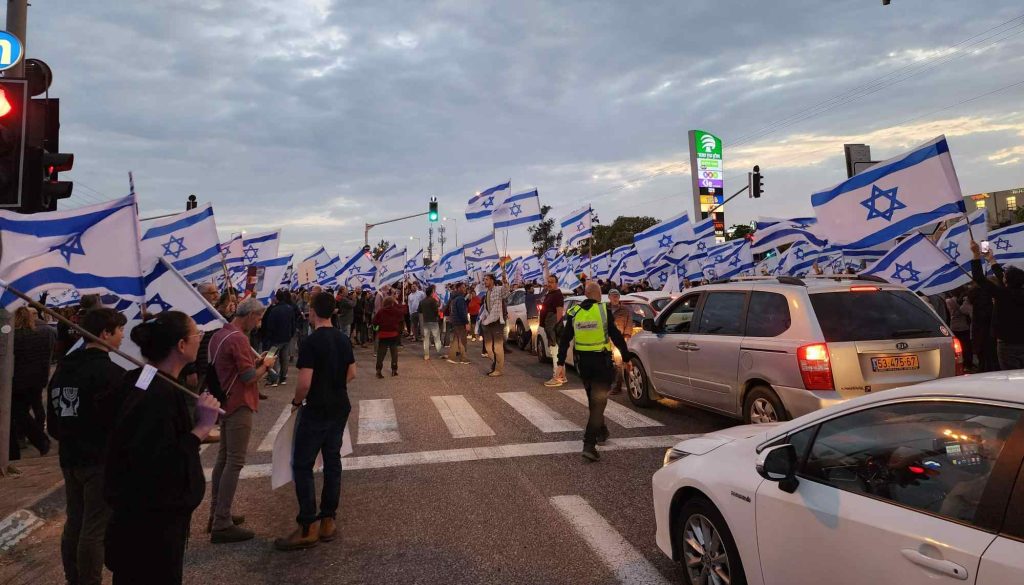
(639, 309)
(923, 484)
(657, 299)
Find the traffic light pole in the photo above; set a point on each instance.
(17, 25)
(369, 226)
(731, 197)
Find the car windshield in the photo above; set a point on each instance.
(659, 304)
(640, 311)
(873, 315)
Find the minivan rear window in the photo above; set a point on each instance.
(874, 315)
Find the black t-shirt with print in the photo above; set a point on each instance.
(329, 353)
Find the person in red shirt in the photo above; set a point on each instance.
(388, 321)
(238, 373)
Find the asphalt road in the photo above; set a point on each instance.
(473, 480)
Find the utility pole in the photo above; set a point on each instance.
(17, 24)
(441, 239)
(430, 243)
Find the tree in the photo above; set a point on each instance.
(620, 232)
(381, 247)
(545, 234)
(740, 230)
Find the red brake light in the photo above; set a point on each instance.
(915, 469)
(958, 356)
(865, 288)
(815, 366)
(5, 106)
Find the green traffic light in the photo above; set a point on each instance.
(432, 216)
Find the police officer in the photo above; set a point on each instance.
(591, 326)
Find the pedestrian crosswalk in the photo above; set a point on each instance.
(376, 421)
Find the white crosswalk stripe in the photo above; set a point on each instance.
(615, 412)
(267, 444)
(377, 422)
(462, 421)
(628, 564)
(538, 413)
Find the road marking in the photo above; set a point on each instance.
(462, 421)
(538, 413)
(377, 422)
(476, 454)
(615, 412)
(614, 551)
(16, 526)
(267, 444)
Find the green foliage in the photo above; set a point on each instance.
(620, 232)
(545, 234)
(381, 247)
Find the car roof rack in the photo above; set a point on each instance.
(838, 277)
(791, 280)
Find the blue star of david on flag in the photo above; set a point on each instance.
(174, 246)
(702, 246)
(353, 270)
(488, 202)
(448, 266)
(1002, 244)
(515, 210)
(250, 253)
(322, 274)
(72, 245)
(580, 227)
(735, 261)
(410, 265)
(665, 241)
(952, 250)
(75, 295)
(663, 277)
(871, 203)
(911, 274)
(800, 254)
(478, 251)
(158, 301)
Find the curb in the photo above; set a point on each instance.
(20, 523)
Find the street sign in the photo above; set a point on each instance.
(11, 50)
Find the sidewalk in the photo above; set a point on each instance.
(21, 494)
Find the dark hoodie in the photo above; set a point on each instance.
(84, 397)
(1008, 314)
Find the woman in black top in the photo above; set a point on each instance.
(154, 479)
(32, 350)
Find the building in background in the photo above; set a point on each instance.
(1004, 207)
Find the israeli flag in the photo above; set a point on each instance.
(1008, 244)
(392, 268)
(94, 249)
(768, 265)
(231, 250)
(892, 198)
(629, 268)
(260, 246)
(360, 263)
(65, 298)
(576, 226)
(956, 241)
(451, 268)
(912, 262)
(414, 267)
(864, 254)
(659, 239)
(728, 260)
(362, 281)
(518, 210)
(482, 251)
(601, 265)
(327, 273)
(784, 232)
(763, 223)
(531, 269)
(187, 240)
(167, 290)
(273, 271)
(550, 254)
(321, 256)
(483, 204)
(799, 259)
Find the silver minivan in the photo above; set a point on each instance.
(766, 350)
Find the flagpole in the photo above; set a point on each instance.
(93, 339)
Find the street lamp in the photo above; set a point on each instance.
(420, 240)
(456, 222)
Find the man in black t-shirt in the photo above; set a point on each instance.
(326, 365)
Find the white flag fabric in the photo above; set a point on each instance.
(518, 210)
(576, 226)
(321, 256)
(260, 246)
(187, 240)
(785, 231)
(483, 204)
(912, 262)
(273, 271)
(891, 198)
(1008, 244)
(956, 243)
(392, 267)
(451, 268)
(629, 268)
(728, 260)
(659, 238)
(66, 298)
(326, 273)
(414, 267)
(358, 264)
(481, 253)
(601, 265)
(531, 269)
(94, 249)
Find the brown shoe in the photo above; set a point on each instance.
(236, 520)
(328, 529)
(302, 537)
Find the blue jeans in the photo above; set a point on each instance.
(316, 433)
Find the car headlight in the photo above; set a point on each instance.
(672, 455)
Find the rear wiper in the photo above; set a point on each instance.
(901, 333)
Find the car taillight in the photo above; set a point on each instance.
(958, 356)
(815, 367)
(539, 306)
(863, 288)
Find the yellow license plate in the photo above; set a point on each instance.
(895, 363)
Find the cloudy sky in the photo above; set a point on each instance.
(318, 115)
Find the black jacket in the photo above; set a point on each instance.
(32, 349)
(278, 324)
(83, 399)
(1008, 313)
(568, 333)
(153, 457)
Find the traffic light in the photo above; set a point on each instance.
(755, 183)
(432, 214)
(43, 161)
(13, 132)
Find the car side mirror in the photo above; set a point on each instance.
(779, 464)
(648, 324)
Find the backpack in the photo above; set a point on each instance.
(213, 385)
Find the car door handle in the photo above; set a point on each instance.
(683, 346)
(939, 566)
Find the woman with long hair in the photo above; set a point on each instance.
(32, 350)
(154, 479)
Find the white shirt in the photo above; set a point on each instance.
(414, 301)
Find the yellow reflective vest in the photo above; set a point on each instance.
(590, 327)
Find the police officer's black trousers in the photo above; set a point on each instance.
(597, 372)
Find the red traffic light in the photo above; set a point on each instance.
(5, 106)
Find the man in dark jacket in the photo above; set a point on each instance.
(459, 320)
(1008, 313)
(277, 330)
(84, 397)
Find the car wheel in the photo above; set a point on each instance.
(542, 351)
(638, 386)
(522, 337)
(762, 405)
(707, 549)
